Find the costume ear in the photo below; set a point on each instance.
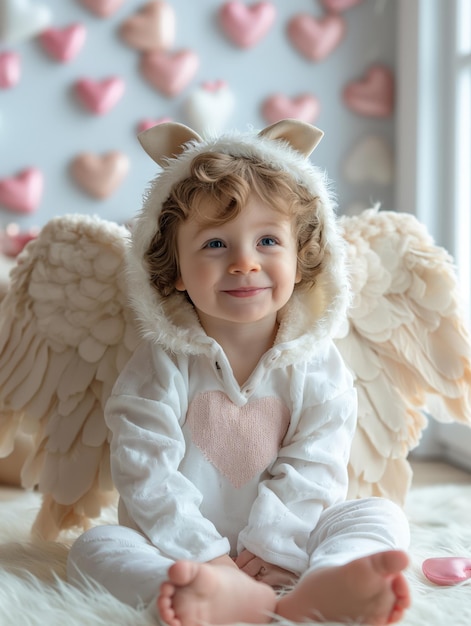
(301, 136)
(167, 140)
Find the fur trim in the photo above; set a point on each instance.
(172, 320)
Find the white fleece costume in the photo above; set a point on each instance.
(205, 467)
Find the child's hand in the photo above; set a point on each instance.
(268, 573)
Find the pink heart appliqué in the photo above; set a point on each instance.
(373, 95)
(151, 28)
(337, 6)
(315, 38)
(246, 25)
(99, 175)
(447, 570)
(100, 97)
(10, 69)
(22, 193)
(169, 72)
(239, 441)
(63, 44)
(102, 8)
(304, 107)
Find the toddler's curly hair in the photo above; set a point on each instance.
(226, 181)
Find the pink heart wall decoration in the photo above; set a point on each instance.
(10, 69)
(304, 107)
(99, 175)
(373, 95)
(337, 6)
(102, 8)
(151, 28)
(169, 72)
(24, 19)
(148, 122)
(13, 240)
(246, 25)
(22, 193)
(99, 97)
(315, 38)
(63, 44)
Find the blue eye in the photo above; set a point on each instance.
(268, 241)
(215, 243)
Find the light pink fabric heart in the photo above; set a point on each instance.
(13, 239)
(24, 19)
(100, 96)
(447, 570)
(22, 193)
(151, 28)
(169, 72)
(63, 44)
(10, 69)
(239, 441)
(337, 6)
(102, 8)
(373, 95)
(246, 25)
(315, 38)
(99, 175)
(149, 122)
(277, 107)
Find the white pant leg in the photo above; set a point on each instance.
(356, 528)
(121, 560)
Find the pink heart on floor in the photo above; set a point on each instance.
(151, 28)
(63, 44)
(169, 72)
(10, 69)
(337, 6)
(246, 25)
(315, 38)
(22, 193)
(99, 175)
(24, 19)
(239, 441)
(447, 570)
(102, 8)
(100, 97)
(148, 122)
(373, 95)
(304, 107)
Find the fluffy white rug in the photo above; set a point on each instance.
(33, 591)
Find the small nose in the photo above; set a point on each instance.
(244, 262)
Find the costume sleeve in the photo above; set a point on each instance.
(144, 414)
(310, 473)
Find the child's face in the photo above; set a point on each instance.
(242, 271)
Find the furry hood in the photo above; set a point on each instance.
(285, 146)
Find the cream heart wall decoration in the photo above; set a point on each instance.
(246, 25)
(99, 175)
(10, 69)
(169, 72)
(99, 96)
(304, 107)
(150, 28)
(316, 38)
(209, 107)
(22, 19)
(373, 94)
(102, 8)
(370, 161)
(22, 193)
(63, 44)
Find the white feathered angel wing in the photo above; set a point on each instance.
(406, 342)
(65, 333)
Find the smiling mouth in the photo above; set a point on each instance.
(245, 292)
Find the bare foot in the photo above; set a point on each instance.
(201, 593)
(371, 590)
